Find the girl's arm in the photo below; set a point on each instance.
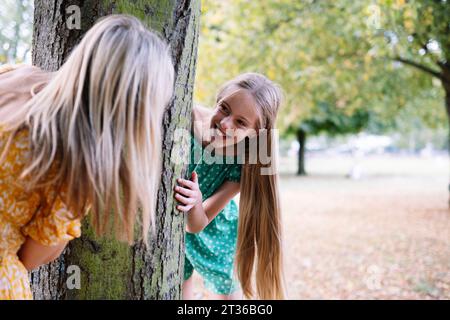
(32, 254)
(201, 213)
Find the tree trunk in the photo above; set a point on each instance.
(110, 269)
(447, 108)
(301, 138)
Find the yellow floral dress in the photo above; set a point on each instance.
(41, 215)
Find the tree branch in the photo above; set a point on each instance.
(421, 67)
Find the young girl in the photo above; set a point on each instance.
(217, 234)
(84, 137)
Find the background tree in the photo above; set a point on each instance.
(16, 17)
(417, 35)
(330, 120)
(109, 269)
(344, 54)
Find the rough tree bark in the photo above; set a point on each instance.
(109, 269)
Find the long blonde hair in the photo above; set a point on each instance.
(259, 244)
(98, 121)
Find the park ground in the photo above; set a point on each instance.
(383, 236)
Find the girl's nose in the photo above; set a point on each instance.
(226, 123)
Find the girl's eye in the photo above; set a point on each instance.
(241, 123)
(223, 108)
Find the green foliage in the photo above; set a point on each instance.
(327, 119)
(335, 53)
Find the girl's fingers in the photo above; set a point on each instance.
(187, 183)
(183, 200)
(184, 208)
(194, 177)
(184, 191)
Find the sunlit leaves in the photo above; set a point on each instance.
(337, 53)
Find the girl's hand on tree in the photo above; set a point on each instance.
(188, 193)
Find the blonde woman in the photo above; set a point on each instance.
(219, 236)
(80, 138)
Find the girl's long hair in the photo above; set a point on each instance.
(259, 244)
(98, 124)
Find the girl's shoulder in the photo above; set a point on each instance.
(201, 117)
(201, 113)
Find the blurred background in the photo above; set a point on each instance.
(364, 133)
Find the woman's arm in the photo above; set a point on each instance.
(201, 213)
(32, 254)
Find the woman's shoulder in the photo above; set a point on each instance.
(17, 155)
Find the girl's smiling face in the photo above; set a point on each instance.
(235, 118)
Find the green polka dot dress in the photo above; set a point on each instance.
(212, 251)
